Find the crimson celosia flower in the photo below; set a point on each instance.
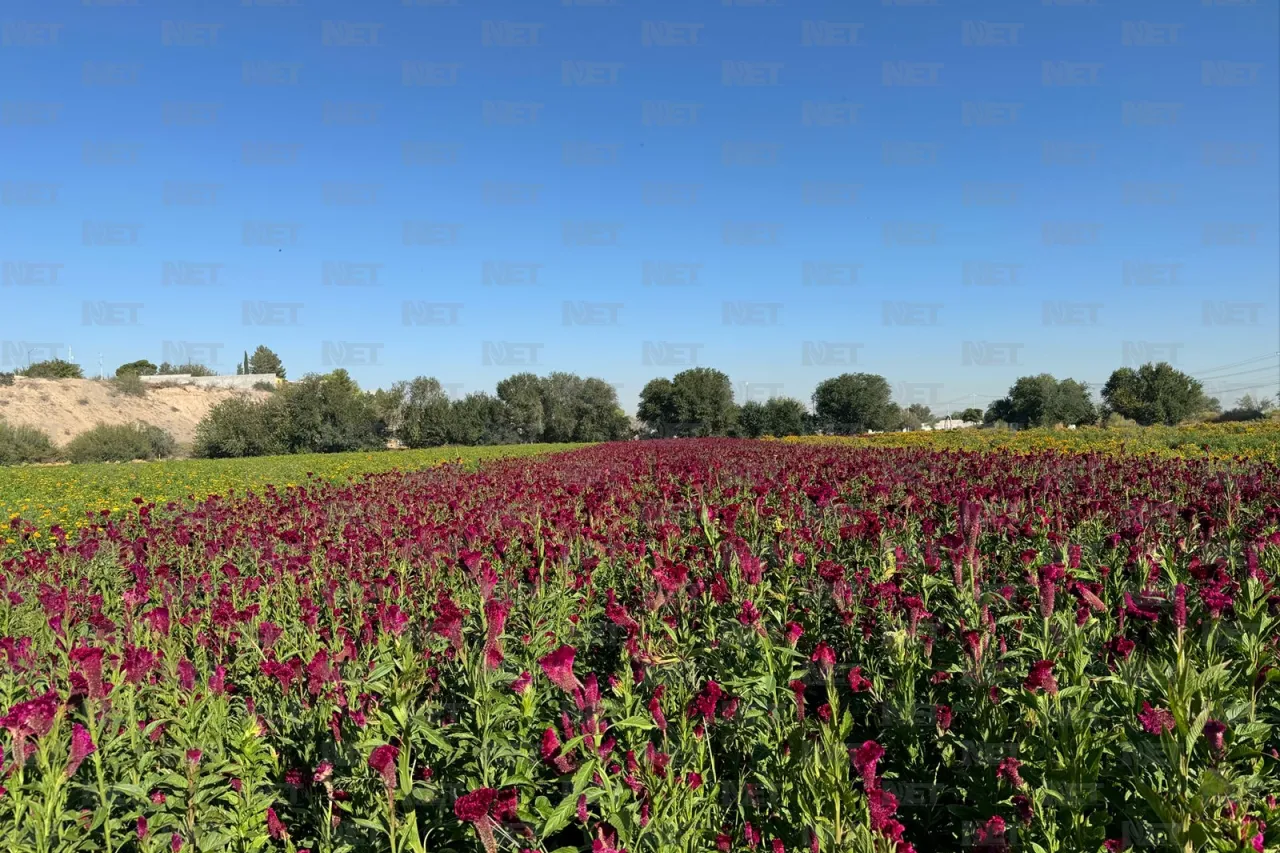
(383, 760)
(1008, 771)
(1155, 721)
(558, 667)
(1041, 678)
(864, 760)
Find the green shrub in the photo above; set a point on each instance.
(54, 368)
(6, 378)
(141, 367)
(241, 427)
(121, 443)
(22, 444)
(167, 369)
(130, 384)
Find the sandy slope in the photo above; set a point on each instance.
(65, 407)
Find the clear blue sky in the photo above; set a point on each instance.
(980, 190)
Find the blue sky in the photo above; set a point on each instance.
(951, 195)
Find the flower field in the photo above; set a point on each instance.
(66, 494)
(683, 645)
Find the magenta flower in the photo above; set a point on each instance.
(942, 714)
(558, 667)
(1008, 771)
(1213, 732)
(864, 760)
(82, 747)
(1155, 721)
(521, 684)
(275, 827)
(1041, 678)
(383, 760)
(825, 658)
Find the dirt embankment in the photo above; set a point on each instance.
(64, 408)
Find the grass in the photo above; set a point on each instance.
(65, 494)
(1250, 440)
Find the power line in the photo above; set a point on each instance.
(1266, 357)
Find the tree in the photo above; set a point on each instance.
(784, 416)
(329, 414)
(917, 415)
(658, 410)
(265, 361)
(855, 402)
(54, 368)
(697, 402)
(522, 394)
(1043, 401)
(477, 418)
(242, 427)
(425, 414)
(753, 419)
(141, 367)
(599, 417)
(1154, 393)
(970, 415)
(167, 369)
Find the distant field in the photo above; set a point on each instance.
(64, 494)
(1251, 440)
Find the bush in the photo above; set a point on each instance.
(22, 444)
(141, 367)
(167, 369)
(129, 383)
(6, 378)
(240, 427)
(121, 443)
(54, 368)
(264, 386)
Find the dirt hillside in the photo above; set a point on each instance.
(66, 407)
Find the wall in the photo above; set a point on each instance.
(245, 382)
